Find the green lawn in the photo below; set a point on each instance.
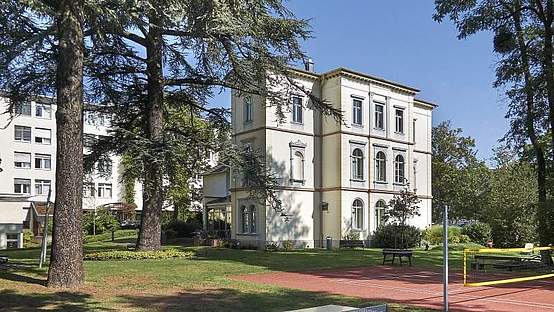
(198, 284)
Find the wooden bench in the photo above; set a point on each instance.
(351, 244)
(407, 253)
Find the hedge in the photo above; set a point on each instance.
(138, 255)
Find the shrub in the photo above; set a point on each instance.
(478, 232)
(352, 235)
(180, 228)
(138, 255)
(433, 235)
(390, 236)
(288, 245)
(105, 222)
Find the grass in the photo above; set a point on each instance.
(198, 284)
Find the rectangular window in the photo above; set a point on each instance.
(43, 161)
(88, 190)
(104, 190)
(104, 166)
(248, 113)
(12, 240)
(379, 116)
(23, 109)
(413, 129)
(22, 160)
(43, 136)
(43, 110)
(357, 112)
(22, 186)
(22, 133)
(399, 116)
(297, 110)
(42, 187)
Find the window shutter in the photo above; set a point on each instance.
(43, 133)
(22, 157)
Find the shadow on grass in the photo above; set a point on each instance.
(223, 299)
(58, 301)
(315, 259)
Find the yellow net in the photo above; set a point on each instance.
(495, 266)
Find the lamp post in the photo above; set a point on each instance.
(445, 257)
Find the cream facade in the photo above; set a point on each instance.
(334, 176)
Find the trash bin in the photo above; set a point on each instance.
(328, 242)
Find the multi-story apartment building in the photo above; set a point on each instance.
(29, 165)
(335, 177)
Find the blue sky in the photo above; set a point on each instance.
(398, 40)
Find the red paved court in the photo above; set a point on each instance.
(415, 286)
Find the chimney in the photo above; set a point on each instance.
(309, 65)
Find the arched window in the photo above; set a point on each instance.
(381, 167)
(244, 219)
(357, 164)
(252, 218)
(358, 214)
(298, 167)
(380, 213)
(399, 169)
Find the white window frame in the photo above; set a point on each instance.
(10, 241)
(45, 110)
(357, 112)
(380, 207)
(248, 110)
(400, 170)
(89, 190)
(17, 155)
(357, 161)
(103, 188)
(297, 148)
(42, 160)
(248, 218)
(297, 109)
(22, 186)
(380, 167)
(42, 186)
(105, 167)
(379, 116)
(399, 120)
(22, 130)
(43, 140)
(358, 214)
(19, 111)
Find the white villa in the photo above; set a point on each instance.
(335, 178)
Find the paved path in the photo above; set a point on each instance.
(415, 286)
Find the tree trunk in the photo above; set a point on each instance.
(150, 226)
(66, 260)
(545, 214)
(530, 115)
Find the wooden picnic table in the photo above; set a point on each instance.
(407, 253)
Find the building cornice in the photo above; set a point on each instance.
(425, 104)
(345, 72)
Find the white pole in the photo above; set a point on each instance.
(445, 257)
(45, 232)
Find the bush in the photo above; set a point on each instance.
(478, 232)
(105, 222)
(138, 255)
(390, 236)
(433, 235)
(180, 228)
